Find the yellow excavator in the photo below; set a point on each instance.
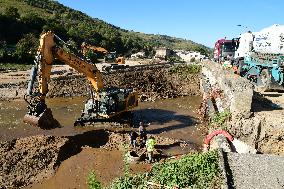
(105, 104)
(109, 56)
(86, 47)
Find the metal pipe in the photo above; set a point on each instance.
(32, 80)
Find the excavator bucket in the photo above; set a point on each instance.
(45, 120)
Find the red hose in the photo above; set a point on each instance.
(215, 133)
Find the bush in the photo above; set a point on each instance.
(175, 59)
(130, 182)
(196, 171)
(185, 70)
(12, 12)
(26, 48)
(191, 171)
(92, 181)
(219, 120)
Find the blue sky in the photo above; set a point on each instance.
(202, 21)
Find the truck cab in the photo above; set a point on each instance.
(225, 49)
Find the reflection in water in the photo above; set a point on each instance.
(175, 118)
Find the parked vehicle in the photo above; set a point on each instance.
(260, 57)
(225, 49)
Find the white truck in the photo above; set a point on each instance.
(260, 57)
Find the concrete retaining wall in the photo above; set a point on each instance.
(229, 91)
(254, 121)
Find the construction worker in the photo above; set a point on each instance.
(142, 133)
(141, 129)
(133, 139)
(150, 147)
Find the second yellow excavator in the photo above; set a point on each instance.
(110, 57)
(105, 104)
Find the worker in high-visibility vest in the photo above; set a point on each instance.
(150, 146)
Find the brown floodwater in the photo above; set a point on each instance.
(175, 118)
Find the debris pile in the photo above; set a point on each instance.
(27, 160)
(152, 84)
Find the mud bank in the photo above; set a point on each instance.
(153, 84)
(255, 119)
(29, 160)
(264, 129)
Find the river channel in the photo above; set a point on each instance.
(174, 118)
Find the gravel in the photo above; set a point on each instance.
(255, 171)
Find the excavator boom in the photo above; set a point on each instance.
(104, 104)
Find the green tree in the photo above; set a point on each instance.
(33, 21)
(3, 50)
(12, 12)
(26, 48)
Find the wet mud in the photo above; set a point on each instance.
(174, 123)
(38, 158)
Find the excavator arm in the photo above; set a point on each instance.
(104, 104)
(50, 51)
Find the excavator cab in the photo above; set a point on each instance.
(113, 105)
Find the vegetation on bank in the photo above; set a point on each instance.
(22, 22)
(185, 69)
(199, 170)
(219, 120)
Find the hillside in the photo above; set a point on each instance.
(22, 21)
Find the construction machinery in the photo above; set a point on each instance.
(108, 56)
(86, 47)
(115, 63)
(111, 58)
(105, 104)
(260, 57)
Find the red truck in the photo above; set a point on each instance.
(225, 49)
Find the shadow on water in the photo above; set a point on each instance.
(164, 117)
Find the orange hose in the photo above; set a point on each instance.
(215, 133)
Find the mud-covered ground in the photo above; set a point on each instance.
(171, 121)
(33, 159)
(155, 83)
(63, 157)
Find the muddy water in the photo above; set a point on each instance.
(175, 118)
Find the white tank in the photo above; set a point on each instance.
(245, 44)
(269, 40)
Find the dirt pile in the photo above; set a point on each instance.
(264, 131)
(153, 84)
(264, 128)
(156, 84)
(28, 160)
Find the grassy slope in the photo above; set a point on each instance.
(22, 7)
(160, 40)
